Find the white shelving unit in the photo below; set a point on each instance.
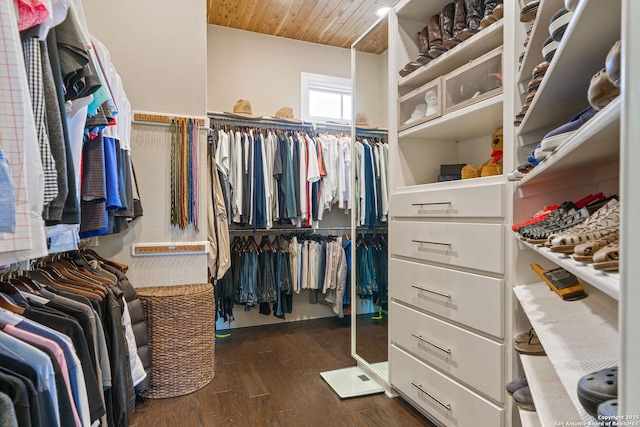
(480, 119)
(483, 42)
(433, 230)
(533, 54)
(549, 395)
(594, 28)
(607, 282)
(579, 337)
(592, 146)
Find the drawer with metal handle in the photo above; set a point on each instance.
(435, 394)
(485, 201)
(469, 358)
(469, 299)
(477, 246)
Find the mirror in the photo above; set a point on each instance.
(369, 60)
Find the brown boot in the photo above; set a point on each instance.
(436, 47)
(446, 27)
(489, 7)
(459, 23)
(423, 55)
(475, 13)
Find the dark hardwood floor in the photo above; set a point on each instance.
(270, 376)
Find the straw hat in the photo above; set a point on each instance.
(242, 108)
(286, 113)
(362, 122)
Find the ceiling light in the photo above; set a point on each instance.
(382, 11)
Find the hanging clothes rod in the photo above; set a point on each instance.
(289, 230)
(262, 123)
(332, 128)
(372, 132)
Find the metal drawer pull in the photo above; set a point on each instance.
(419, 387)
(446, 350)
(429, 204)
(448, 296)
(431, 243)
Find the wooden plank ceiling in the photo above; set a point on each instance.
(330, 22)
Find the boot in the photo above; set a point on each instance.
(423, 55)
(446, 29)
(436, 47)
(489, 17)
(475, 12)
(409, 68)
(459, 23)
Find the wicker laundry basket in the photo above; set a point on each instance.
(181, 321)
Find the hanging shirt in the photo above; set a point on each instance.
(20, 145)
(384, 166)
(238, 181)
(302, 179)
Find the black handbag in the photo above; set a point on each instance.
(137, 203)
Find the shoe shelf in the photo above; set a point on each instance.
(485, 41)
(595, 144)
(474, 120)
(550, 398)
(579, 337)
(529, 418)
(539, 33)
(594, 28)
(606, 282)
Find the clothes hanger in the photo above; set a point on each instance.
(43, 278)
(12, 292)
(266, 241)
(254, 245)
(23, 285)
(119, 266)
(7, 303)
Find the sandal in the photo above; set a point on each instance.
(584, 251)
(531, 346)
(600, 224)
(525, 337)
(607, 258)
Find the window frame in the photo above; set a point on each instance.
(328, 84)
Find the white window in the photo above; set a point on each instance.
(325, 98)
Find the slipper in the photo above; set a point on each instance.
(532, 346)
(524, 399)
(565, 284)
(516, 385)
(607, 258)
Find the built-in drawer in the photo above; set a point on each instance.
(473, 201)
(468, 357)
(473, 245)
(470, 299)
(439, 396)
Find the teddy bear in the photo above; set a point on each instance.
(492, 166)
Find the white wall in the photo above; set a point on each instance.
(265, 69)
(159, 49)
(371, 87)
